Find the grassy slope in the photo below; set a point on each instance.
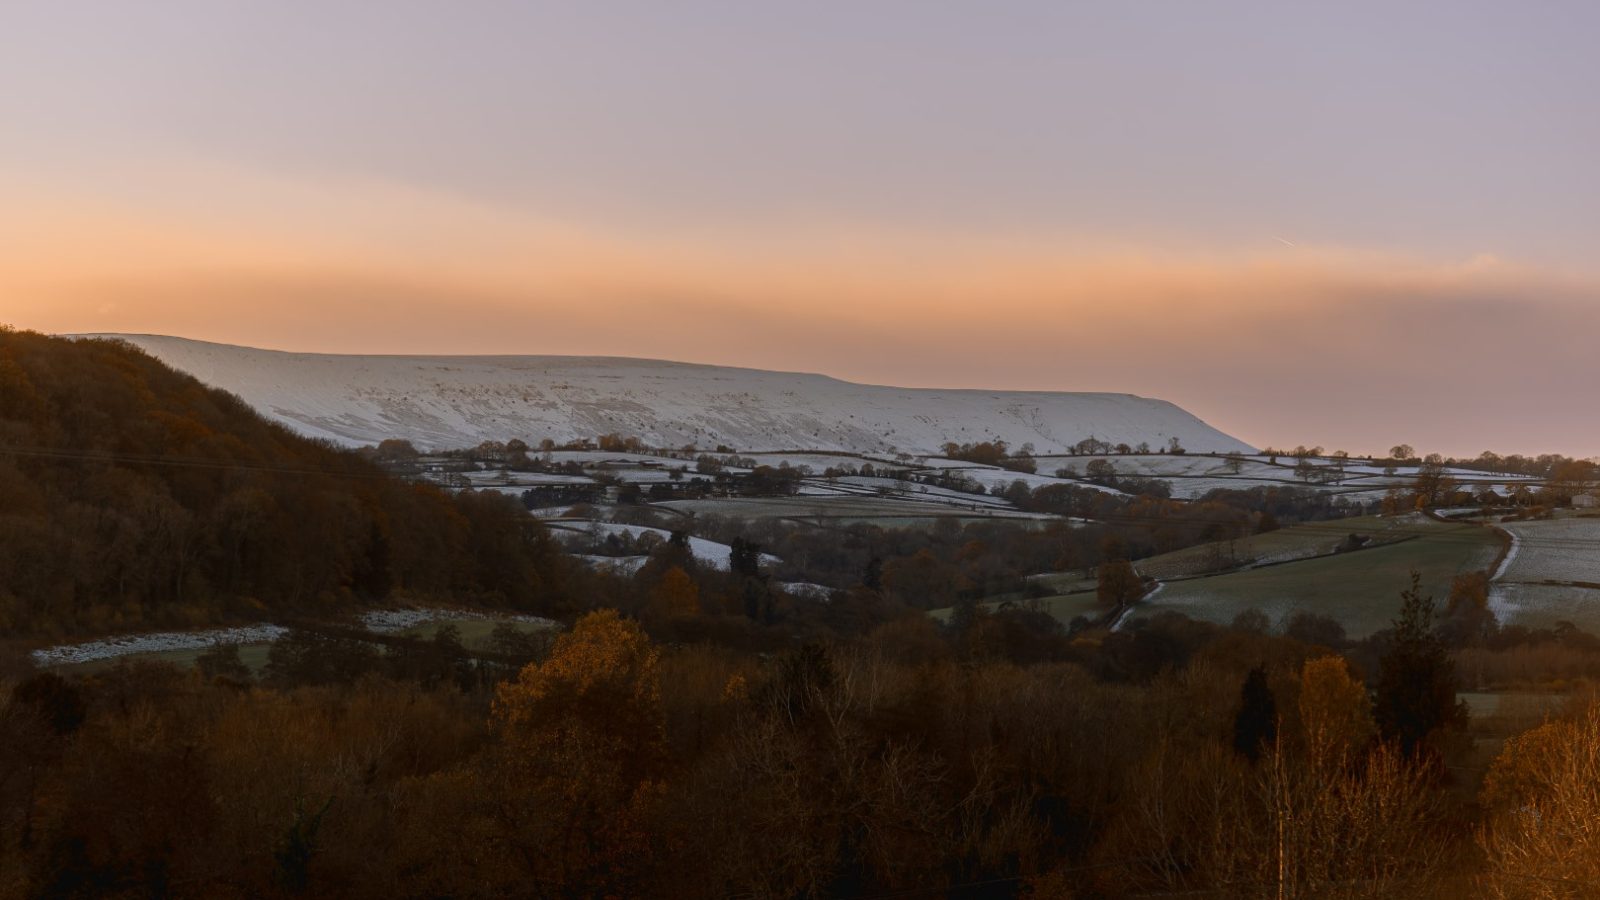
(1361, 589)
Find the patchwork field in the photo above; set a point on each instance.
(844, 509)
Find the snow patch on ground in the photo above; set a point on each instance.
(1504, 601)
(127, 645)
(380, 621)
(621, 565)
(1559, 549)
(807, 590)
(705, 552)
(1123, 618)
(389, 621)
(1511, 555)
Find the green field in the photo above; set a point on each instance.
(1282, 545)
(1360, 589)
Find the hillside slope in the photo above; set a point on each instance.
(445, 402)
(132, 496)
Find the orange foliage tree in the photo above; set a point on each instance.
(1335, 712)
(583, 751)
(1543, 799)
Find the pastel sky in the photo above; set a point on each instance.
(1349, 224)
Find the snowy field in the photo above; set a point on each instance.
(994, 478)
(915, 491)
(1563, 549)
(1543, 605)
(705, 552)
(521, 479)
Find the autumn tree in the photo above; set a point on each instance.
(582, 751)
(1543, 798)
(1117, 584)
(924, 581)
(1100, 471)
(1571, 478)
(675, 595)
(1433, 484)
(396, 450)
(1467, 619)
(1335, 712)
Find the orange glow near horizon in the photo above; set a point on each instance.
(1237, 338)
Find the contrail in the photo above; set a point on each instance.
(1286, 242)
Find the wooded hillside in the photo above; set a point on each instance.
(132, 495)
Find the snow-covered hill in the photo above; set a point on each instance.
(441, 402)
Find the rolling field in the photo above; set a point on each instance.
(1361, 589)
(1295, 542)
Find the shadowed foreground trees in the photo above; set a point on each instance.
(1543, 800)
(913, 762)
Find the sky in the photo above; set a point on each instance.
(1349, 225)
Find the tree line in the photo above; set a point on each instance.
(989, 757)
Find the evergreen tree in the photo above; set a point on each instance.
(745, 560)
(872, 578)
(1416, 679)
(1256, 725)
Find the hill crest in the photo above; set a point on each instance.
(442, 402)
